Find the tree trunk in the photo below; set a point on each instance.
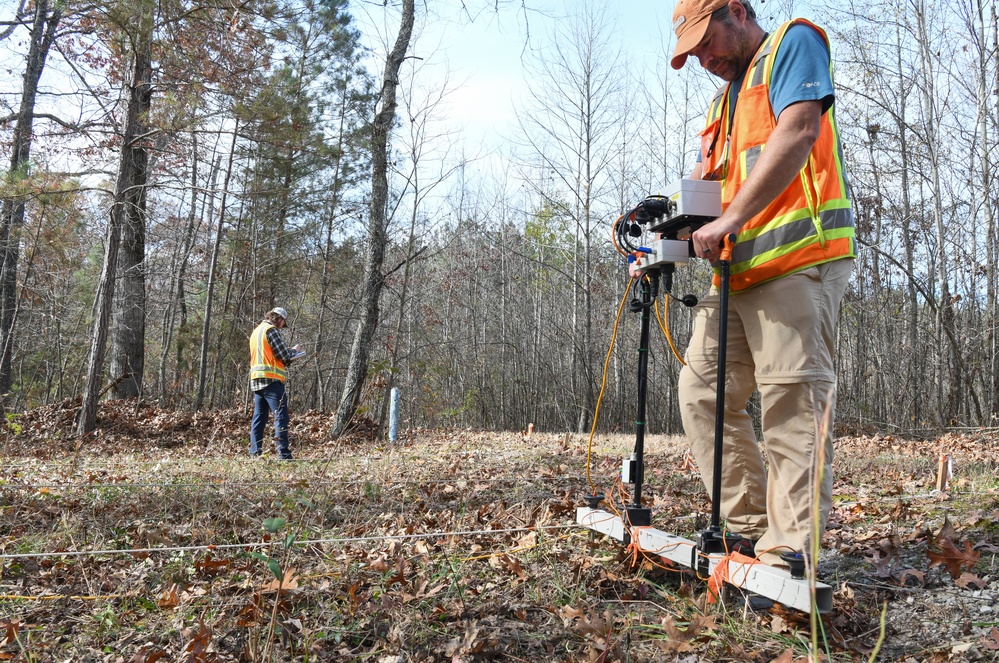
(178, 300)
(206, 327)
(377, 235)
(42, 35)
(992, 257)
(127, 206)
(950, 362)
(325, 276)
(916, 364)
(128, 332)
(396, 339)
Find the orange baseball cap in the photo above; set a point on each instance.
(690, 22)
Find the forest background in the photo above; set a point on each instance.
(177, 168)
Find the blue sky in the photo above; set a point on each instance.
(490, 50)
(484, 56)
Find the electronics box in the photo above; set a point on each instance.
(693, 203)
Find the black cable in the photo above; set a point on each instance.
(623, 236)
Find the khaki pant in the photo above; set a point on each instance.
(781, 338)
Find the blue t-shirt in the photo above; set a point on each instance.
(801, 70)
(800, 73)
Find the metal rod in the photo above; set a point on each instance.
(643, 382)
(650, 291)
(724, 263)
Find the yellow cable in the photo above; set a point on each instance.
(603, 386)
(665, 329)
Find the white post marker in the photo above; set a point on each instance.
(394, 414)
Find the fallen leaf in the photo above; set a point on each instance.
(250, 614)
(379, 564)
(601, 626)
(680, 640)
(290, 583)
(355, 600)
(197, 647)
(400, 572)
(168, 599)
(211, 567)
(146, 656)
(568, 613)
(970, 580)
(788, 657)
(918, 575)
(947, 531)
(10, 633)
(529, 540)
(991, 641)
(599, 634)
(514, 566)
(962, 648)
(952, 558)
(882, 565)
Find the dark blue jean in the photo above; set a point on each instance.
(271, 398)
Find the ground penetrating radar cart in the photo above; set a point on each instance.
(672, 217)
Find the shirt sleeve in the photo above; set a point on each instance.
(801, 70)
(281, 351)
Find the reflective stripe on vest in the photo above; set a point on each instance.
(812, 221)
(263, 363)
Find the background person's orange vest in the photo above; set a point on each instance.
(811, 222)
(263, 363)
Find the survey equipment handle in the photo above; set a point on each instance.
(724, 264)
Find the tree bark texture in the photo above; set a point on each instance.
(128, 332)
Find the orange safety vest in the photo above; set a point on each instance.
(263, 363)
(811, 222)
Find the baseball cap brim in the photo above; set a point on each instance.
(693, 33)
(690, 23)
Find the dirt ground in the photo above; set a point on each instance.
(157, 539)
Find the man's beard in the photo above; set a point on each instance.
(732, 67)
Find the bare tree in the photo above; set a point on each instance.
(43, 31)
(571, 126)
(428, 164)
(377, 239)
(206, 326)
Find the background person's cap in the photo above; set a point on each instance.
(280, 311)
(690, 22)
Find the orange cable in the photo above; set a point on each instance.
(614, 234)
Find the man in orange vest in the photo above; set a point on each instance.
(771, 140)
(269, 359)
